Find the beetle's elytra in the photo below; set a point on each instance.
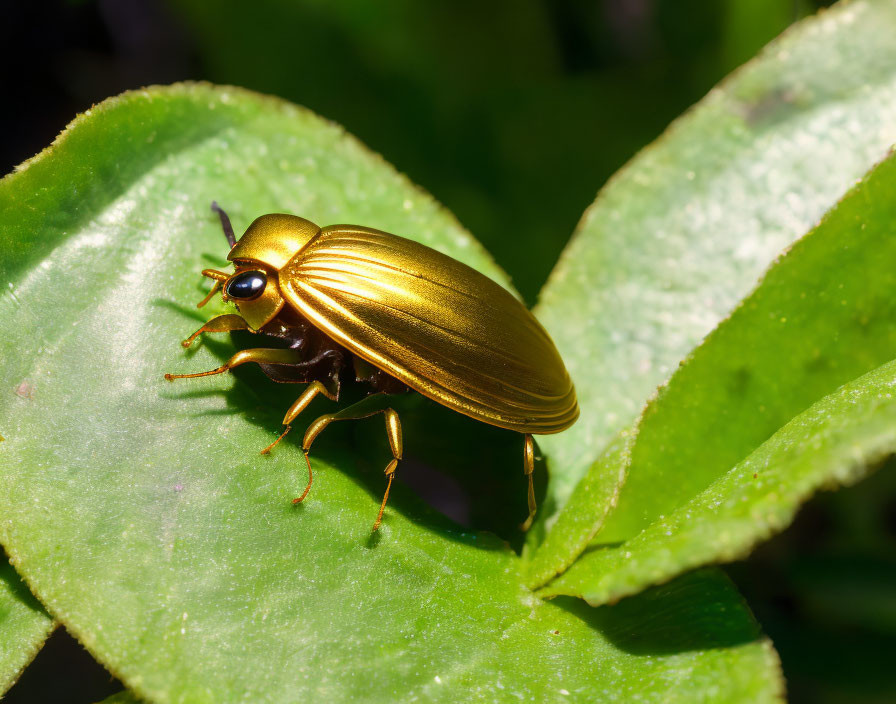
(401, 317)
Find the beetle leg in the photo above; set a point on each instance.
(219, 278)
(529, 468)
(377, 403)
(299, 405)
(222, 323)
(393, 430)
(260, 355)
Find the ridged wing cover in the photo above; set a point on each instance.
(444, 329)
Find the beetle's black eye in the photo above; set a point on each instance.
(246, 286)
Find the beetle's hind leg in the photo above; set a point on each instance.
(529, 468)
(377, 403)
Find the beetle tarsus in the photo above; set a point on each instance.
(259, 355)
(214, 289)
(301, 498)
(219, 370)
(267, 450)
(390, 471)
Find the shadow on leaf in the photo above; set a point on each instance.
(460, 471)
(698, 611)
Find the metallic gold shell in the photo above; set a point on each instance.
(441, 327)
(273, 240)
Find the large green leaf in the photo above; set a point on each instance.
(24, 626)
(705, 636)
(143, 517)
(834, 442)
(824, 314)
(683, 232)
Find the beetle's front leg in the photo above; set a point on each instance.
(260, 355)
(223, 323)
(377, 403)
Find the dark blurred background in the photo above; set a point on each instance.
(512, 113)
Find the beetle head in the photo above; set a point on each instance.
(265, 248)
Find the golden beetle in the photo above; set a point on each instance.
(402, 316)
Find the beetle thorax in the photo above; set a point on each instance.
(272, 240)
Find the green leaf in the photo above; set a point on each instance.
(584, 513)
(833, 443)
(24, 626)
(681, 234)
(824, 314)
(145, 520)
(706, 636)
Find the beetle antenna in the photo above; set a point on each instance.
(225, 224)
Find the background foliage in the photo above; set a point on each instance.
(482, 104)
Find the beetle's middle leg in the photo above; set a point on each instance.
(370, 406)
(327, 356)
(299, 405)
